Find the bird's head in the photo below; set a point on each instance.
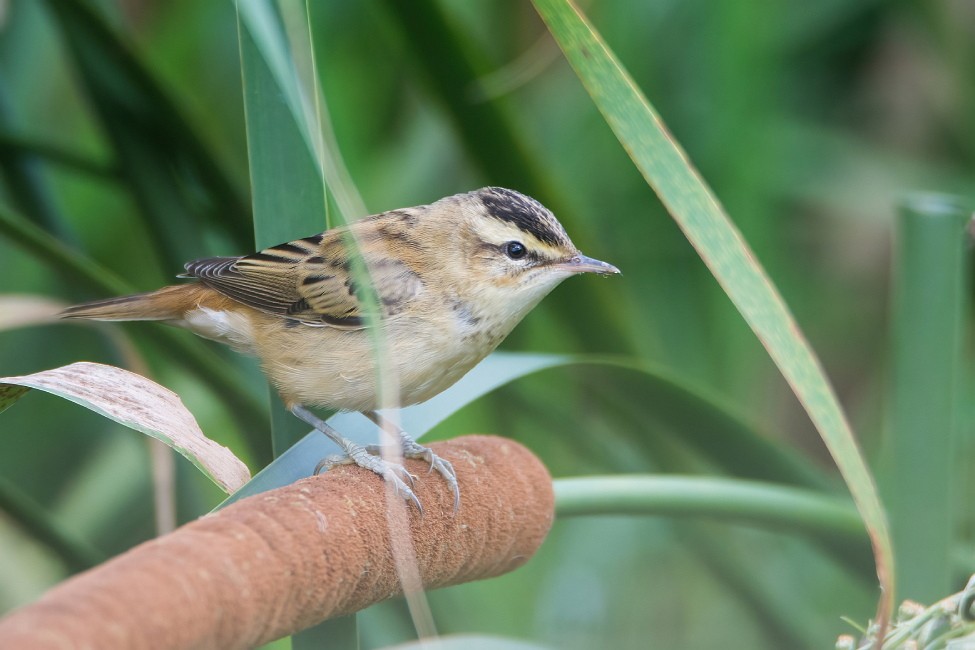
(511, 250)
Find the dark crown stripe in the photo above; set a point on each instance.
(525, 213)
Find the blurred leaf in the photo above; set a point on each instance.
(775, 603)
(78, 555)
(653, 396)
(75, 267)
(51, 153)
(24, 178)
(697, 211)
(450, 65)
(158, 152)
(139, 404)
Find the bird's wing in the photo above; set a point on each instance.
(310, 280)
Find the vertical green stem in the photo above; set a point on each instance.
(287, 194)
(289, 200)
(929, 307)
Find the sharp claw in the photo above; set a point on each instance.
(416, 502)
(402, 489)
(446, 470)
(406, 474)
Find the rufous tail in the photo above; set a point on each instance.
(168, 303)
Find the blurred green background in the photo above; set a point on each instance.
(122, 134)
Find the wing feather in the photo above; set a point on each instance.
(310, 280)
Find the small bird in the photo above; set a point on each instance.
(451, 280)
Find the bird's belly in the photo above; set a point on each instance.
(337, 369)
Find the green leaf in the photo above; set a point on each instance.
(42, 151)
(653, 395)
(74, 266)
(287, 189)
(139, 404)
(77, 554)
(450, 62)
(666, 168)
(24, 179)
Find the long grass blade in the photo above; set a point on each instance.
(699, 214)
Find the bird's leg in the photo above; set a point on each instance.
(412, 449)
(391, 472)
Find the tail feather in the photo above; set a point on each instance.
(167, 303)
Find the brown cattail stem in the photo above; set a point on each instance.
(279, 562)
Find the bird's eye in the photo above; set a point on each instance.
(515, 250)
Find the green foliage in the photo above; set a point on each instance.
(124, 150)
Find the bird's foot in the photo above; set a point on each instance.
(393, 473)
(414, 450)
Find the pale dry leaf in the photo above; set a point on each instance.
(138, 403)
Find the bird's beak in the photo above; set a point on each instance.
(582, 264)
